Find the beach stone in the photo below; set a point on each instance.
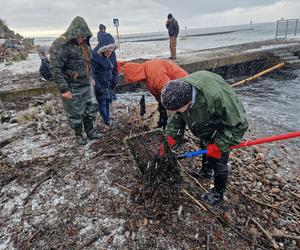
(269, 171)
(269, 177)
(283, 222)
(275, 190)
(127, 234)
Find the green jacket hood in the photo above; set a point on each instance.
(78, 27)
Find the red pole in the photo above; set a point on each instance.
(267, 139)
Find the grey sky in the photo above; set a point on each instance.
(44, 18)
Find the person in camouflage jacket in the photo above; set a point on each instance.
(70, 63)
(208, 106)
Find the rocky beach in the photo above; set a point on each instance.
(55, 194)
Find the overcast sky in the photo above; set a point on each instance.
(51, 18)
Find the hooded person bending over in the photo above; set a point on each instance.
(156, 74)
(208, 106)
(70, 61)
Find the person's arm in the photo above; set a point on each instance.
(175, 127)
(58, 60)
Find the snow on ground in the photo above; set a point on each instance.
(127, 51)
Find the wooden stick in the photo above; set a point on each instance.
(278, 66)
(122, 187)
(286, 236)
(47, 176)
(257, 201)
(296, 195)
(194, 179)
(274, 244)
(196, 201)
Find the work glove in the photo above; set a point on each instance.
(213, 151)
(171, 141)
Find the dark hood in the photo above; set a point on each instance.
(78, 27)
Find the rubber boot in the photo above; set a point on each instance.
(90, 131)
(79, 138)
(205, 172)
(215, 195)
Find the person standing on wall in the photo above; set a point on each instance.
(173, 29)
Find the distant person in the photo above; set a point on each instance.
(208, 106)
(173, 29)
(105, 74)
(102, 32)
(44, 70)
(70, 60)
(156, 74)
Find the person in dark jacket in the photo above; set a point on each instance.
(70, 63)
(173, 29)
(208, 106)
(44, 70)
(102, 32)
(105, 72)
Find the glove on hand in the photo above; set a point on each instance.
(213, 151)
(171, 141)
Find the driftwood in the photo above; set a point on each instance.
(286, 236)
(194, 179)
(273, 242)
(122, 187)
(46, 177)
(199, 204)
(296, 195)
(219, 219)
(278, 66)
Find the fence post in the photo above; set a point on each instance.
(286, 28)
(277, 29)
(296, 26)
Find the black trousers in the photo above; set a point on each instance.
(219, 166)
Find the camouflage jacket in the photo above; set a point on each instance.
(216, 116)
(70, 62)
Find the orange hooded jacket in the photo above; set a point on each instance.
(155, 72)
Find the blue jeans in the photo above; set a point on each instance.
(104, 110)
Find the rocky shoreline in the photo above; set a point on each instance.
(55, 194)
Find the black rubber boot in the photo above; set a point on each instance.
(212, 198)
(79, 138)
(90, 131)
(205, 172)
(215, 195)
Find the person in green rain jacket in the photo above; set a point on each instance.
(208, 106)
(70, 64)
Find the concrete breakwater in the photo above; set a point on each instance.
(232, 62)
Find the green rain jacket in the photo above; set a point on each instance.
(70, 63)
(216, 116)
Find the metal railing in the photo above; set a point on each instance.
(286, 27)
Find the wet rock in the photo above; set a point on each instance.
(283, 222)
(259, 157)
(127, 234)
(269, 171)
(133, 236)
(269, 177)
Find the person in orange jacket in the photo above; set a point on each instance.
(156, 74)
